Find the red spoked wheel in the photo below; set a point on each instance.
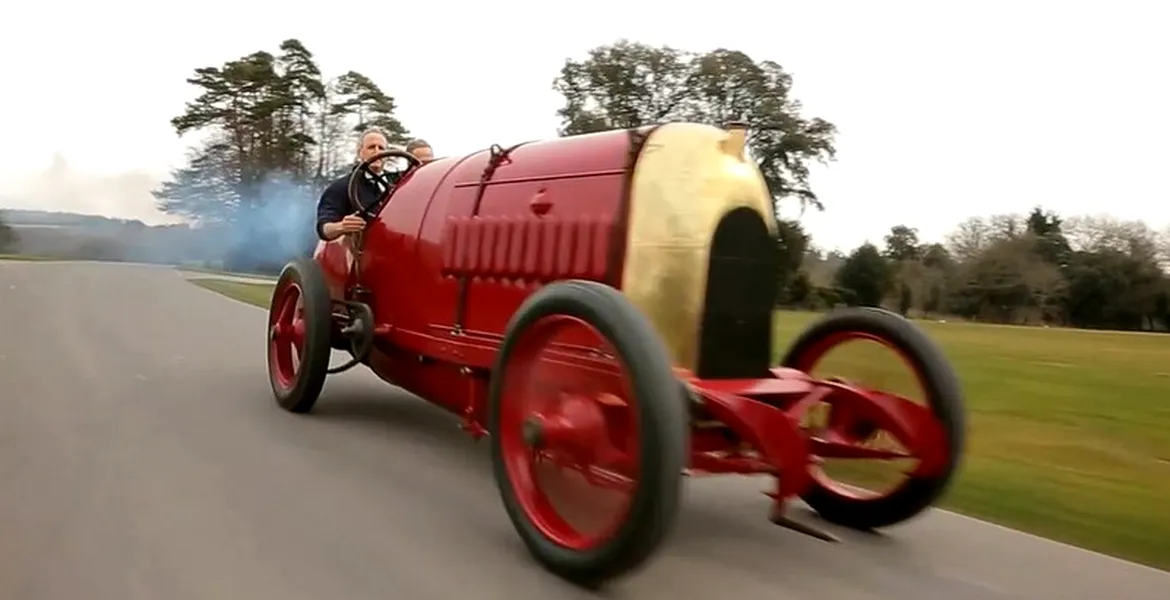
(931, 435)
(299, 322)
(589, 436)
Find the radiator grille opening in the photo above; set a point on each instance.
(735, 339)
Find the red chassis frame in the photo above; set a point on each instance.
(763, 415)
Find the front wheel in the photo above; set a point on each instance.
(588, 435)
(943, 416)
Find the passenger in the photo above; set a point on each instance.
(421, 150)
(335, 216)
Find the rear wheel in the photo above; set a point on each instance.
(587, 448)
(942, 420)
(299, 331)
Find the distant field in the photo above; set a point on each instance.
(1069, 429)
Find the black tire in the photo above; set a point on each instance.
(944, 396)
(663, 432)
(310, 378)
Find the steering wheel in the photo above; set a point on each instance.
(363, 169)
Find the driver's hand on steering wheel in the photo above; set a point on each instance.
(351, 224)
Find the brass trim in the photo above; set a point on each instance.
(687, 177)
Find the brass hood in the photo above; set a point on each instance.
(686, 179)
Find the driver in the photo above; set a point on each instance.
(335, 216)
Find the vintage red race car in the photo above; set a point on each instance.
(602, 305)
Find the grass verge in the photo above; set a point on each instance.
(1069, 429)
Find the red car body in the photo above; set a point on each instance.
(679, 221)
(459, 246)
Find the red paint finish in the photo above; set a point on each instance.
(506, 249)
(334, 260)
(463, 241)
(286, 334)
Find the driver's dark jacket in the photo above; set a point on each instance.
(334, 203)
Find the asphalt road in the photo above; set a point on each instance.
(142, 457)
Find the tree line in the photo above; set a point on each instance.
(1034, 269)
(271, 128)
(268, 117)
(271, 117)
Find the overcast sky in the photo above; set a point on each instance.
(945, 109)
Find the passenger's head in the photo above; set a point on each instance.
(421, 150)
(371, 142)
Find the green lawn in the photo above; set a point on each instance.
(22, 257)
(1069, 430)
(258, 294)
(216, 272)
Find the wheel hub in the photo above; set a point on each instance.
(533, 433)
(575, 428)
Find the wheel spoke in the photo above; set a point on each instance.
(607, 477)
(286, 332)
(827, 447)
(610, 480)
(297, 333)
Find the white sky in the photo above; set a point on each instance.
(945, 109)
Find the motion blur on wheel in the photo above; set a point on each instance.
(605, 313)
